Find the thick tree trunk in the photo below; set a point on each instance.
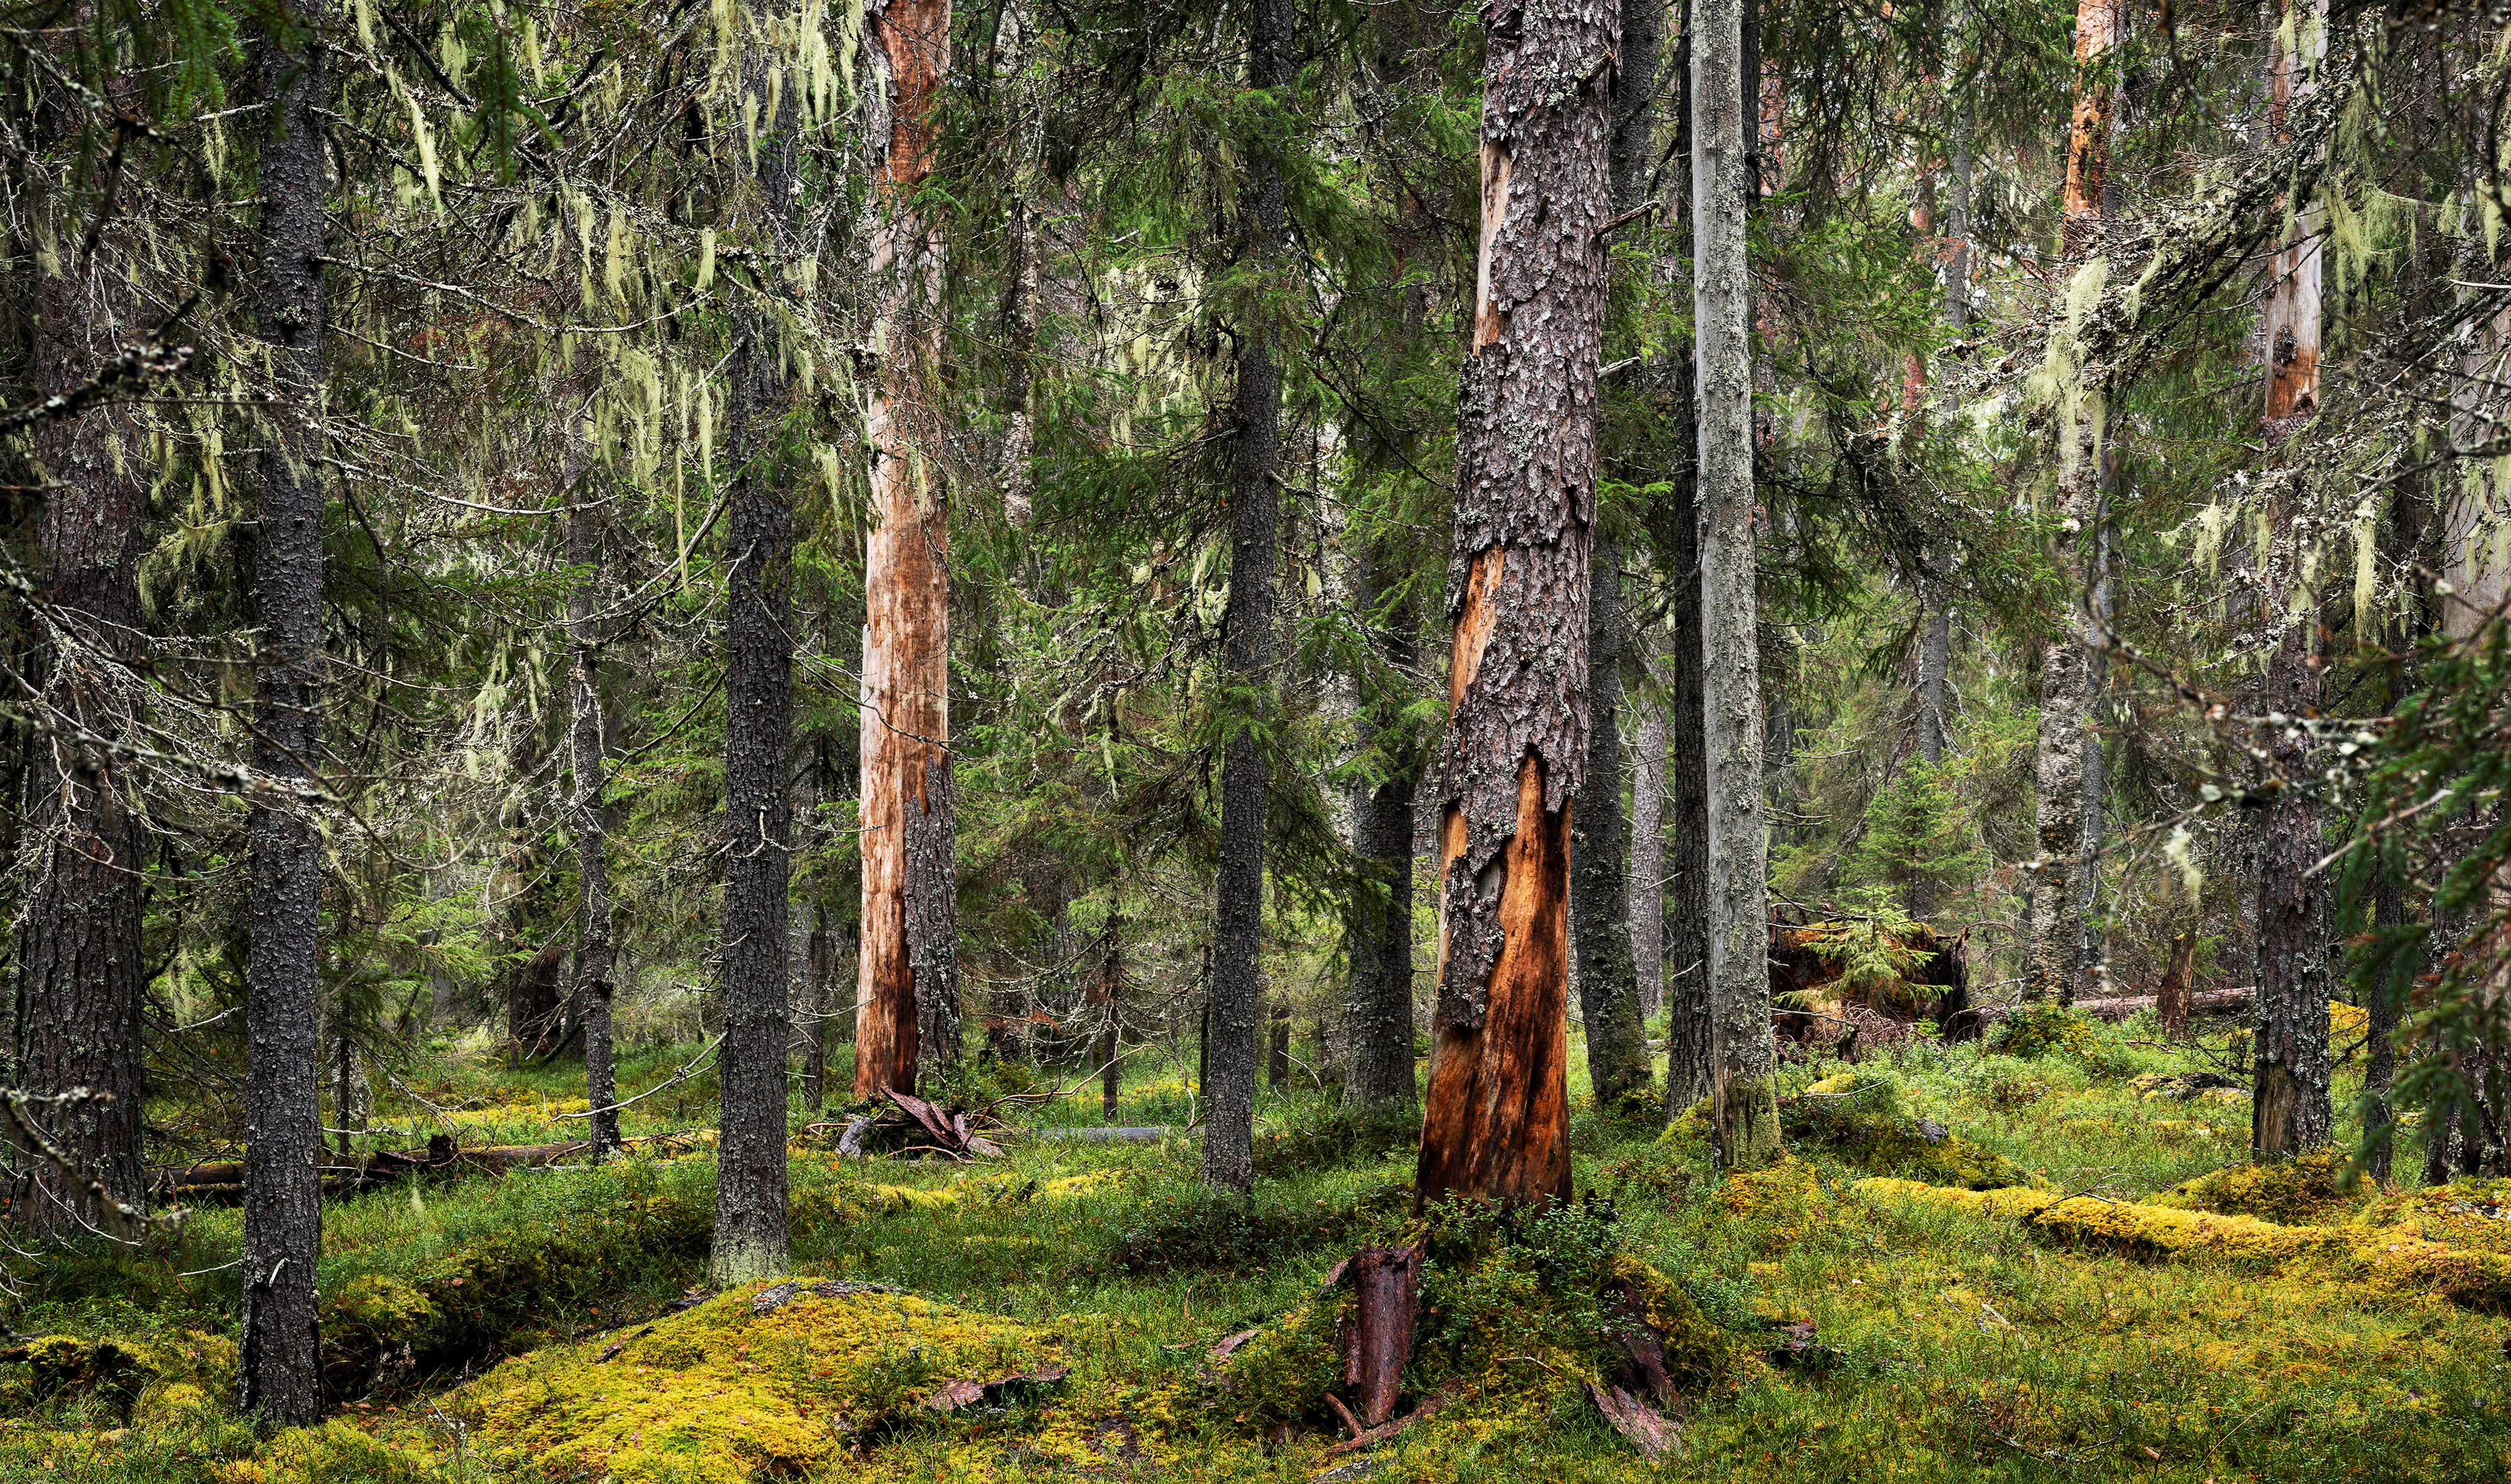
(1689, 1039)
(1378, 1020)
(1496, 1123)
(2054, 954)
(81, 979)
(1600, 906)
(1745, 1055)
(1648, 855)
(2291, 1111)
(908, 982)
(2092, 976)
(595, 952)
(1609, 997)
(1237, 977)
(751, 1236)
(278, 1377)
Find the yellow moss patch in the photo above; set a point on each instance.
(2394, 1261)
(2298, 1191)
(148, 1378)
(334, 1453)
(2472, 1213)
(722, 1392)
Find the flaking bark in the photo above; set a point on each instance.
(596, 949)
(1495, 1125)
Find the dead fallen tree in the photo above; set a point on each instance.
(2211, 1002)
(209, 1182)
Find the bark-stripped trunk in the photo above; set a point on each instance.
(1689, 1040)
(2289, 1110)
(1745, 1056)
(278, 1377)
(751, 1235)
(1648, 855)
(2054, 954)
(1378, 1020)
(1237, 977)
(1608, 974)
(81, 981)
(1496, 1123)
(595, 952)
(907, 986)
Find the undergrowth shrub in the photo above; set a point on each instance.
(1207, 1230)
(1863, 1117)
(1317, 1137)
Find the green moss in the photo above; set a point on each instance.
(133, 1378)
(2473, 1215)
(332, 1453)
(2037, 1029)
(2299, 1190)
(721, 1391)
(1863, 1119)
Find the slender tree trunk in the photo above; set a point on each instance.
(81, 977)
(1648, 855)
(1600, 906)
(1690, 1040)
(1378, 1019)
(279, 1378)
(596, 953)
(1277, 1057)
(1745, 1061)
(1109, 993)
(2054, 954)
(909, 990)
(751, 1235)
(1497, 1123)
(821, 957)
(1237, 980)
(2290, 1110)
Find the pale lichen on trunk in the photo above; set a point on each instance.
(1496, 1121)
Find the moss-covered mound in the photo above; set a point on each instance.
(2295, 1192)
(1863, 1119)
(2394, 1260)
(763, 1381)
(2472, 1213)
(130, 1379)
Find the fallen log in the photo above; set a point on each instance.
(1096, 1134)
(2211, 1002)
(207, 1182)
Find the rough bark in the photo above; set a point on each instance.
(1609, 992)
(81, 979)
(820, 966)
(2291, 1111)
(278, 1376)
(1237, 975)
(1690, 1048)
(1744, 1054)
(2054, 953)
(1107, 997)
(907, 989)
(2171, 999)
(596, 951)
(750, 1237)
(2091, 973)
(1648, 855)
(1377, 1018)
(1495, 1125)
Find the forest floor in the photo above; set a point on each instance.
(1857, 1313)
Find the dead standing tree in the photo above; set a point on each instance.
(1497, 1125)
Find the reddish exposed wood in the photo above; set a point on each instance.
(2088, 149)
(1377, 1343)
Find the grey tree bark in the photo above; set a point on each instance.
(1744, 1065)
(79, 955)
(278, 1376)
(750, 1237)
(596, 951)
(1237, 977)
(1648, 855)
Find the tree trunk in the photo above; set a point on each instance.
(2291, 1111)
(1689, 1039)
(1497, 1123)
(81, 977)
(2054, 954)
(596, 953)
(1648, 857)
(2092, 976)
(1277, 1057)
(1600, 906)
(1745, 1055)
(1237, 980)
(821, 965)
(908, 980)
(751, 1236)
(1108, 999)
(1377, 1034)
(278, 1377)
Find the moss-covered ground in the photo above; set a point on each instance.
(1978, 1265)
